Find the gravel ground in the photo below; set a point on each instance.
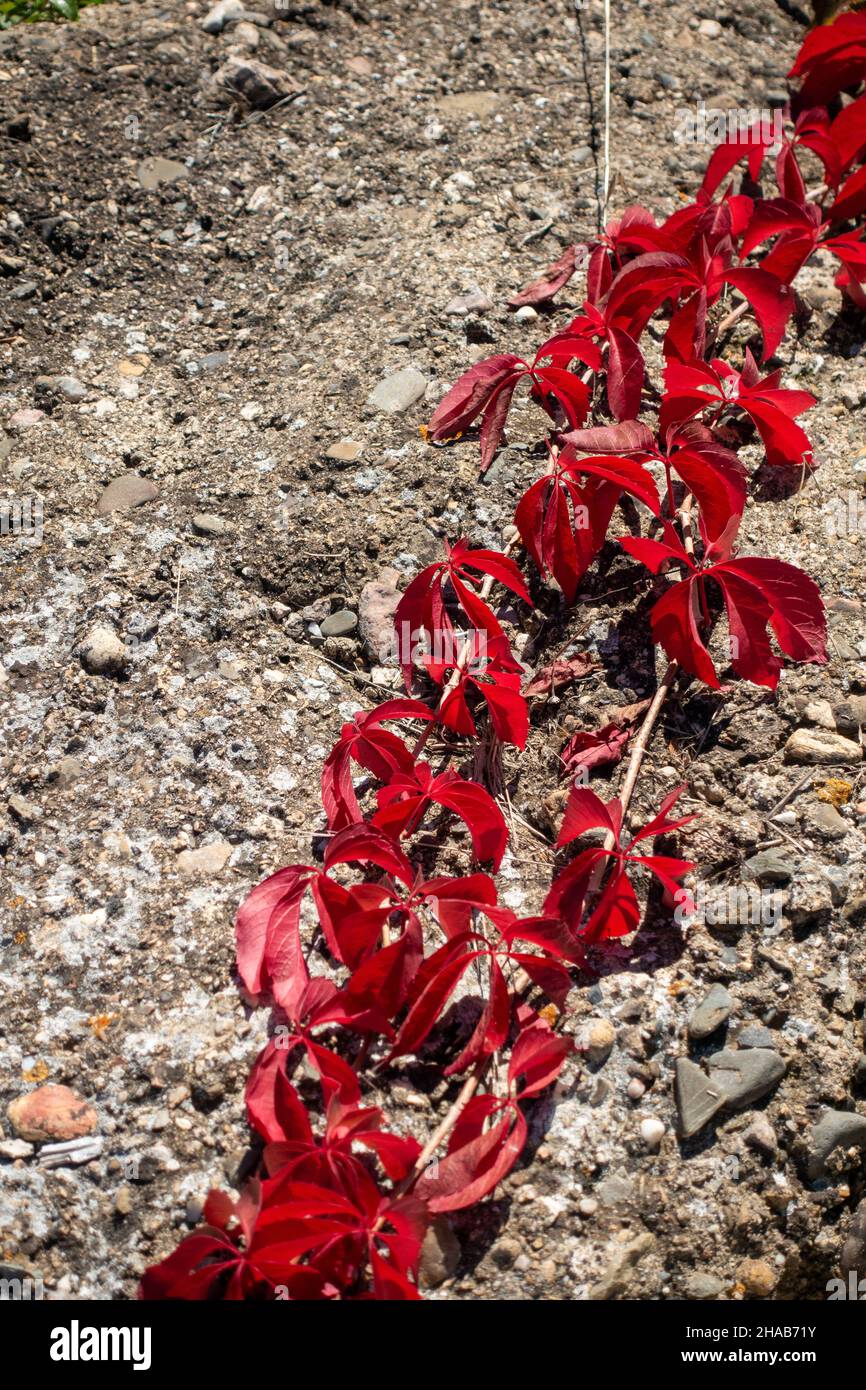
(199, 300)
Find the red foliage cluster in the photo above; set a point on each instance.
(340, 1207)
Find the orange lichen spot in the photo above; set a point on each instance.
(98, 1023)
(37, 1072)
(836, 791)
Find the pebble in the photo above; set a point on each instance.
(67, 386)
(25, 419)
(761, 1137)
(345, 451)
(256, 84)
(820, 712)
(24, 810)
(710, 28)
(340, 624)
(14, 1149)
(102, 653)
(854, 1249)
(826, 821)
(67, 771)
(218, 17)
(208, 524)
(755, 1035)
(526, 314)
(51, 1113)
(398, 391)
(835, 1128)
(616, 1277)
(703, 1286)
(713, 1010)
(376, 609)
(821, 748)
(697, 1101)
(744, 1077)
(757, 1278)
(652, 1132)
(124, 492)
(635, 1089)
(598, 1041)
(206, 861)
(154, 171)
(769, 866)
(860, 1071)
(440, 1253)
(474, 301)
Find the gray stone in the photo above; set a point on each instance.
(761, 1137)
(755, 1035)
(155, 170)
(854, 1249)
(826, 821)
(127, 491)
(67, 386)
(820, 748)
(440, 1254)
(102, 653)
(255, 84)
(208, 524)
(340, 624)
(744, 1077)
(860, 1070)
(212, 362)
(697, 1099)
(474, 301)
(621, 1265)
(713, 1010)
(397, 392)
(703, 1286)
(769, 866)
(836, 1128)
(218, 17)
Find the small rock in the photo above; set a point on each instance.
(340, 624)
(820, 712)
(713, 1010)
(835, 1129)
(526, 314)
(743, 1077)
(51, 1113)
(652, 1131)
(616, 1277)
(821, 748)
(757, 1278)
(344, 451)
(218, 17)
(635, 1089)
(697, 1100)
(206, 861)
(124, 492)
(474, 301)
(23, 810)
(398, 391)
(854, 1250)
(208, 524)
(860, 1071)
(598, 1041)
(102, 653)
(69, 387)
(703, 1286)
(761, 1137)
(67, 771)
(14, 1149)
(123, 1201)
(155, 170)
(254, 83)
(440, 1254)
(376, 609)
(212, 362)
(755, 1035)
(710, 28)
(769, 867)
(826, 821)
